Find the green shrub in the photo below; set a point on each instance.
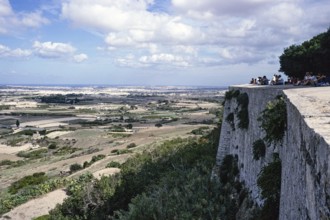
(113, 164)
(86, 164)
(231, 120)
(131, 145)
(34, 154)
(52, 146)
(118, 128)
(75, 167)
(97, 157)
(31, 180)
(42, 132)
(259, 149)
(200, 131)
(229, 169)
(269, 181)
(231, 94)
(274, 120)
(65, 150)
(6, 162)
(123, 151)
(26, 132)
(114, 151)
(43, 217)
(9, 201)
(243, 113)
(10, 163)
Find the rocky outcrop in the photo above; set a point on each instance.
(304, 151)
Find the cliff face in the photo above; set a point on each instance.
(304, 152)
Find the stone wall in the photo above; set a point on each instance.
(305, 155)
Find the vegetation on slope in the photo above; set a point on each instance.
(171, 181)
(176, 163)
(274, 120)
(269, 182)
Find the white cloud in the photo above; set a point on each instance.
(80, 58)
(52, 49)
(211, 8)
(34, 19)
(119, 40)
(199, 33)
(17, 53)
(165, 58)
(11, 21)
(106, 16)
(128, 23)
(57, 50)
(5, 8)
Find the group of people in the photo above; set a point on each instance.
(309, 80)
(276, 80)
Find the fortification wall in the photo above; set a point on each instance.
(304, 152)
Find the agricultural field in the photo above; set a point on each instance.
(49, 136)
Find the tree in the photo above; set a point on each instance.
(17, 123)
(311, 56)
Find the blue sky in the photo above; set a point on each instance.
(151, 42)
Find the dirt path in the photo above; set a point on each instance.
(36, 207)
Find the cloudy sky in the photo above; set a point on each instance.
(151, 42)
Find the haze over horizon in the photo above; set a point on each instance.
(151, 42)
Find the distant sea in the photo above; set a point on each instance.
(117, 86)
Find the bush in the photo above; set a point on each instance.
(93, 160)
(31, 180)
(229, 169)
(98, 157)
(86, 164)
(52, 146)
(243, 113)
(43, 217)
(231, 94)
(131, 145)
(113, 164)
(231, 120)
(200, 131)
(118, 128)
(274, 120)
(123, 151)
(35, 154)
(269, 181)
(114, 151)
(75, 167)
(6, 162)
(65, 150)
(9, 201)
(26, 132)
(259, 149)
